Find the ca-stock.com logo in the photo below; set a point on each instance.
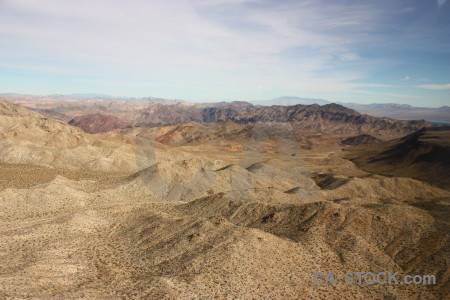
(370, 278)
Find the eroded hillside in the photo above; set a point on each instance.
(196, 211)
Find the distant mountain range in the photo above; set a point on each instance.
(88, 97)
(439, 115)
(403, 111)
(286, 100)
(389, 110)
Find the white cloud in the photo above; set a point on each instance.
(376, 85)
(436, 86)
(408, 9)
(392, 95)
(406, 78)
(441, 2)
(241, 44)
(349, 57)
(178, 41)
(137, 31)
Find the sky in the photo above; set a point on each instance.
(395, 51)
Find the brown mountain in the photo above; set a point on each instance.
(423, 155)
(150, 112)
(96, 123)
(28, 138)
(195, 133)
(330, 118)
(15, 110)
(362, 139)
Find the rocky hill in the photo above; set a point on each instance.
(362, 139)
(27, 137)
(330, 118)
(11, 109)
(423, 155)
(96, 123)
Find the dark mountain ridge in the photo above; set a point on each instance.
(96, 123)
(423, 155)
(329, 118)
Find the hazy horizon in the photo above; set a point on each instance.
(217, 50)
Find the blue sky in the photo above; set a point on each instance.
(211, 50)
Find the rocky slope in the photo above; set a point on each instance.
(96, 123)
(362, 139)
(15, 110)
(26, 137)
(423, 155)
(187, 219)
(330, 118)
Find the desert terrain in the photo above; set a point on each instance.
(67, 107)
(219, 202)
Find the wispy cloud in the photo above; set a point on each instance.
(199, 45)
(393, 95)
(441, 2)
(435, 86)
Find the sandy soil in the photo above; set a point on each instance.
(90, 235)
(207, 221)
